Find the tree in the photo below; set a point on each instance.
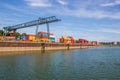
(77, 41)
(1, 32)
(23, 34)
(17, 34)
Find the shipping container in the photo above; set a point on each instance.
(42, 32)
(44, 35)
(94, 42)
(23, 37)
(67, 39)
(52, 39)
(83, 41)
(30, 37)
(7, 38)
(52, 36)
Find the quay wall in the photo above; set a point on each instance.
(30, 46)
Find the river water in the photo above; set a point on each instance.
(102, 63)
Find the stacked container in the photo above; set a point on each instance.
(67, 39)
(8, 37)
(94, 42)
(46, 37)
(64, 39)
(71, 39)
(43, 36)
(30, 37)
(52, 38)
(83, 41)
(23, 37)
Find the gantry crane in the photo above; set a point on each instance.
(36, 23)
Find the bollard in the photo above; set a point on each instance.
(43, 47)
(80, 46)
(68, 46)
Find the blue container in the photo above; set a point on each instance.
(44, 35)
(23, 37)
(52, 39)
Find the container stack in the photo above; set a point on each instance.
(64, 39)
(71, 39)
(52, 38)
(67, 39)
(94, 42)
(22, 37)
(45, 37)
(83, 41)
(30, 37)
(7, 37)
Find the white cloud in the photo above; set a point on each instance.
(98, 14)
(106, 30)
(79, 12)
(116, 2)
(63, 2)
(38, 3)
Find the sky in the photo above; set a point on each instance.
(94, 20)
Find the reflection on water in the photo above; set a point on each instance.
(87, 64)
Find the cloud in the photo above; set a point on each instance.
(8, 6)
(85, 13)
(64, 11)
(88, 9)
(106, 30)
(23, 10)
(116, 2)
(63, 2)
(38, 3)
(111, 31)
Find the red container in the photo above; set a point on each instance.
(94, 42)
(70, 37)
(51, 34)
(43, 37)
(30, 35)
(63, 40)
(42, 32)
(72, 41)
(83, 41)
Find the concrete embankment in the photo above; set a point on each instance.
(31, 46)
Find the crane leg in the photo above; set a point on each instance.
(48, 30)
(36, 32)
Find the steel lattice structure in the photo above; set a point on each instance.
(40, 21)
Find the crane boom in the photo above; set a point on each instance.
(40, 21)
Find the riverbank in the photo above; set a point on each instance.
(10, 51)
(7, 49)
(33, 46)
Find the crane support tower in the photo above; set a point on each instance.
(36, 23)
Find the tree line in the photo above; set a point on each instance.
(16, 34)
